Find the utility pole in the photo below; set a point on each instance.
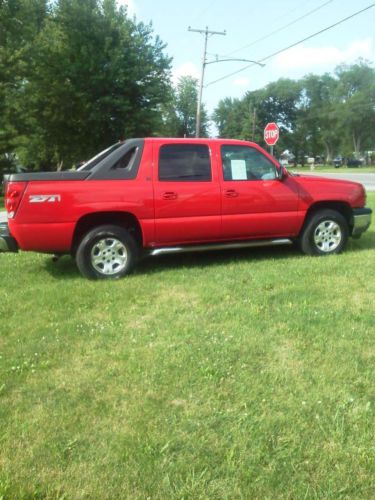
(205, 32)
(254, 119)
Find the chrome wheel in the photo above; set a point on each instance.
(327, 236)
(109, 256)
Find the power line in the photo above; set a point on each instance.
(294, 44)
(275, 20)
(288, 13)
(199, 13)
(280, 29)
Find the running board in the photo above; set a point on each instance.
(220, 246)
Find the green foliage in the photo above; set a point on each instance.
(356, 108)
(180, 115)
(186, 105)
(330, 114)
(90, 77)
(20, 23)
(319, 114)
(78, 75)
(230, 119)
(246, 118)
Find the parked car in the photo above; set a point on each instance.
(153, 196)
(353, 162)
(338, 161)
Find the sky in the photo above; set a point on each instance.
(255, 30)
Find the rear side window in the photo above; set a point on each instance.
(127, 160)
(184, 162)
(89, 165)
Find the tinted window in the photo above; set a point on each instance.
(184, 162)
(242, 163)
(126, 161)
(89, 165)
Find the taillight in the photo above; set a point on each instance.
(13, 196)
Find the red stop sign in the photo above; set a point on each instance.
(271, 133)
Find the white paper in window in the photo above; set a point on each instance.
(238, 170)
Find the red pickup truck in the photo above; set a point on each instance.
(154, 195)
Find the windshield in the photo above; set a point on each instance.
(88, 165)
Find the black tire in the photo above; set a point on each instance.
(325, 233)
(106, 252)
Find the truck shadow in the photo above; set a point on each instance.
(366, 242)
(153, 265)
(66, 268)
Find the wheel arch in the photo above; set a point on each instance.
(340, 206)
(125, 220)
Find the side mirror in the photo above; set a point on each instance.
(280, 173)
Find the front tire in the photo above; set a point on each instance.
(325, 233)
(106, 252)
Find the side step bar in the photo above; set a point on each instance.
(219, 246)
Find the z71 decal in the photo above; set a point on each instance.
(42, 198)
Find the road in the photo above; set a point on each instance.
(368, 180)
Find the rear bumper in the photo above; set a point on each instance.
(361, 221)
(7, 242)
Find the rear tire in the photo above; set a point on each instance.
(106, 252)
(325, 233)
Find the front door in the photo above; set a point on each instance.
(255, 203)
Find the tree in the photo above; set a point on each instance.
(185, 103)
(228, 117)
(320, 104)
(356, 108)
(335, 113)
(20, 23)
(246, 118)
(93, 76)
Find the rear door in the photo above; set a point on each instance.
(186, 193)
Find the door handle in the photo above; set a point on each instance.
(169, 195)
(231, 193)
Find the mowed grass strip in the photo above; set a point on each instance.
(223, 375)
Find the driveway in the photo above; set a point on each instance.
(3, 217)
(368, 180)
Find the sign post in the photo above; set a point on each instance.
(271, 135)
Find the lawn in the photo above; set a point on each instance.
(238, 374)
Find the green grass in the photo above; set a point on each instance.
(2, 207)
(225, 375)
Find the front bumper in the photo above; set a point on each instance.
(361, 221)
(7, 242)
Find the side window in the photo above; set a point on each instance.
(127, 160)
(242, 163)
(184, 162)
